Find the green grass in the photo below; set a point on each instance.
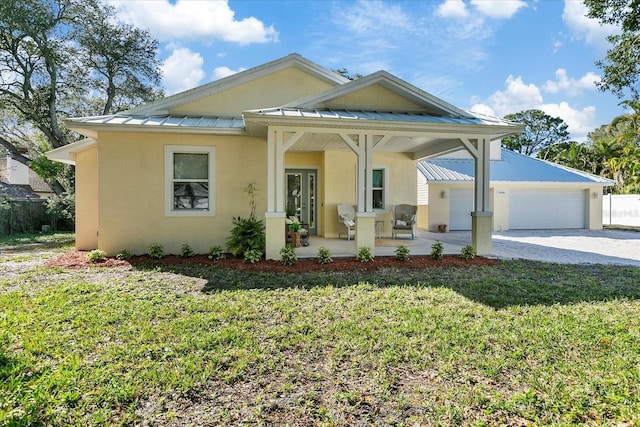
(51, 239)
(520, 343)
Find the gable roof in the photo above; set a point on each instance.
(428, 103)
(512, 167)
(163, 105)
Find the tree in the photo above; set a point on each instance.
(345, 73)
(621, 66)
(541, 131)
(61, 58)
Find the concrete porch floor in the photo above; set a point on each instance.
(420, 245)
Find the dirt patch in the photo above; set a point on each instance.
(78, 259)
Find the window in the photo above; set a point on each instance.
(379, 188)
(189, 186)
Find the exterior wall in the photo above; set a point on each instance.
(594, 208)
(87, 199)
(266, 91)
(374, 96)
(340, 186)
(423, 202)
(131, 196)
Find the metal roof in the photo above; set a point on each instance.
(164, 121)
(513, 167)
(380, 116)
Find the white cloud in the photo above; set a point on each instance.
(519, 96)
(221, 72)
(367, 16)
(182, 70)
(584, 28)
(452, 9)
(571, 86)
(580, 122)
(193, 20)
(499, 9)
(516, 97)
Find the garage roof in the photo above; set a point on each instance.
(512, 167)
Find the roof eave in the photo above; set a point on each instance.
(496, 131)
(91, 129)
(67, 154)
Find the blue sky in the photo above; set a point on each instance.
(492, 56)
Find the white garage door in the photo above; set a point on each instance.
(545, 209)
(460, 207)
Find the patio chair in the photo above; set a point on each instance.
(347, 219)
(404, 220)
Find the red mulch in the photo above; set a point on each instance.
(78, 259)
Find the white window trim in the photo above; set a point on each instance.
(169, 151)
(385, 190)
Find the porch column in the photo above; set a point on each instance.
(274, 220)
(482, 216)
(277, 145)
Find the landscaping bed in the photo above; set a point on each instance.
(78, 259)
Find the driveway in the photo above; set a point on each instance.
(608, 246)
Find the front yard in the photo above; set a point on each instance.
(517, 343)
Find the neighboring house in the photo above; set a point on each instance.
(19, 182)
(174, 171)
(526, 193)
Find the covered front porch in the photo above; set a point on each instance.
(286, 135)
(420, 245)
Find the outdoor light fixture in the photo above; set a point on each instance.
(443, 194)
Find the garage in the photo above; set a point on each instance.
(547, 209)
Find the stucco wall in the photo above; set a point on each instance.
(131, 196)
(340, 186)
(267, 91)
(87, 199)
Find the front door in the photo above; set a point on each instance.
(301, 197)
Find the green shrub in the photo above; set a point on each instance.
(215, 253)
(468, 252)
(156, 251)
(364, 254)
(186, 251)
(324, 256)
(288, 255)
(253, 255)
(96, 255)
(247, 234)
(437, 250)
(123, 255)
(402, 253)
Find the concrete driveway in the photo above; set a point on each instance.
(608, 246)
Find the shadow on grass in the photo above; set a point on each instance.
(508, 283)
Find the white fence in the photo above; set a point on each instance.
(622, 209)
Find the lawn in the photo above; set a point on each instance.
(518, 343)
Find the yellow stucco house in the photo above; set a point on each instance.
(173, 171)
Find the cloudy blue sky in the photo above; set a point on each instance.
(492, 56)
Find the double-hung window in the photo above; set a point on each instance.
(379, 188)
(189, 183)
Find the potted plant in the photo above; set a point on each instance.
(294, 229)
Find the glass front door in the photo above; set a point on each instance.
(301, 196)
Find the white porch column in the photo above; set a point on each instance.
(277, 146)
(482, 216)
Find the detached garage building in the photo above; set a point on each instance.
(526, 193)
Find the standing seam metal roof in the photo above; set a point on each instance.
(513, 167)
